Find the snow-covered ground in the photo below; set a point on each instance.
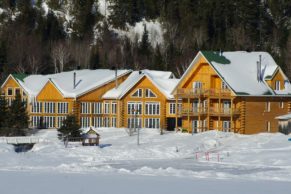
(171, 163)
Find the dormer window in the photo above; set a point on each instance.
(9, 91)
(223, 85)
(137, 93)
(277, 85)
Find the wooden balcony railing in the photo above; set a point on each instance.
(194, 92)
(212, 111)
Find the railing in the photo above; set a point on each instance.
(194, 92)
(22, 140)
(212, 111)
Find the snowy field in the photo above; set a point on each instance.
(206, 163)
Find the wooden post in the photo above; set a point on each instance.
(199, 118)
(231, 119)
(219, 111)
(176, 122)
(188, 113)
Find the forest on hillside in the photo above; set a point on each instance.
(48, 36)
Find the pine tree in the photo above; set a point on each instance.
(3, 112)
(18, 118)
(70, 127)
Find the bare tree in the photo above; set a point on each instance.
(60, 55)
(34, 55)
(81, 53)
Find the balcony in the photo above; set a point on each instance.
(196, 93)
(224, 112)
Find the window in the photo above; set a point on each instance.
(277, 85)
(134, 123)
(223, 85)
(49, 107)
(85, 108)
(153, 123)
(134, 108)
(97, 121)
(226, 107)
(195, 126)
(172, 108)
(63, 107)
(97, 108)
(113, 122)
(85, 122)
(17, 91)
(23, 93)
(152, 108)
(268, 126)
(113, 107)
(197, 85)
(49, 122)
(35, 121)
(106, 122)
(106, 108)
(195, 106)
(281, 104)
(36, 107)
(61, 121)
(268, 106)
(226, 126)
(9, 92)
(137, 93)
(150, 94)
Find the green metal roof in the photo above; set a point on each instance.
(215, 57)
(19, 76)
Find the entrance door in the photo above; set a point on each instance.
(195, 125)
(226, 126)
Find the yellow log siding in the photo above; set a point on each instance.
(144, 84)
(257, 114)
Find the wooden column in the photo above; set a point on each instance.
(231, 115)
(199, 108)
(188, 113)
(176, 118)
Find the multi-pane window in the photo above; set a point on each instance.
(9, 91)
(152, 108)
(97, 121)
(49, 107)
(35, 121)
(106, 108)
(85, 108)
(149, 93)
(223, 85)
(137, 93)
(85, 122)
(36, 107)
(277, 85)
(134, 108)
(172, 108)
(153, 123)
(134, 123)
(113, 122)
(63, 108)
(97, 108)
(61, 121)
(226, 126)
(197, 85)
(113, 107)
(106, 121)
(49, 122)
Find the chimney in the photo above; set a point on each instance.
(116, 83)
(74, 80)
(259, 69)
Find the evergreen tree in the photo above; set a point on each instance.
(70, 127)
(18, 118)
(3, 112)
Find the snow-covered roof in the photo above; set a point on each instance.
(284, 117)
(87, 129)
(163, 80)
(86, 80)
(239, 71)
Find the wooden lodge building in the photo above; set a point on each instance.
(238, 91)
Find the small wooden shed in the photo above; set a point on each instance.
(90, 137)
(284, 123)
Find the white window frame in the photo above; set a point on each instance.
(50, 107)
(60, 120)
(113, 122)
(97, 121)
(224, 85)
(49, 121)
(152, 108)
(85, 122)
(97, 107)
(148, 92)
(63, 107)
(139, 92)
(226, 126)
(277, 85)
(131, 106)
(35, 121)
(131, 120)
(107, 107)
(36, 107)
(172, 108)
(8, 91)
(114, 108)
(15, 91)
(106, 121)
(152, 123)
(197, 85)
(85, 108)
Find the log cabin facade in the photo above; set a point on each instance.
(240, 92)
